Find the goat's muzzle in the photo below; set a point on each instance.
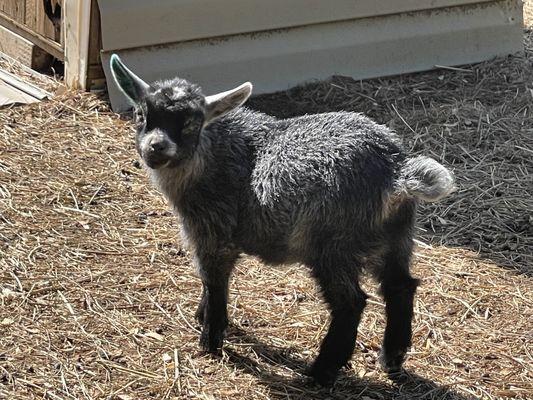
(157, 151)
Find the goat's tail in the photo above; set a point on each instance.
(426, 179)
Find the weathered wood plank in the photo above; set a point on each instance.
(19, 10)
(16, 46)
(45, 43)
(23, 50)
(14, 8)
(76, 42)
(30, 19)
(95, 72)
(8, 7)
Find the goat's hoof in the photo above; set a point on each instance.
(322, 376)
(392, 363)
(211, 343)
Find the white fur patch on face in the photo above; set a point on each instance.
(155, 137)
(177, 93)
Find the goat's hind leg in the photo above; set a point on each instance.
(399, 296)
(346, 300)
(398, 288)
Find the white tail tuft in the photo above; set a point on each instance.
(426, 179)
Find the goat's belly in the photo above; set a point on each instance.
(272, 252)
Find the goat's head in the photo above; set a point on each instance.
(171, 114)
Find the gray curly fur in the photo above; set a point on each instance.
(426, 179)
(256, 183)
(333, 191)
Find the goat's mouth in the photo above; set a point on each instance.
(156, 163)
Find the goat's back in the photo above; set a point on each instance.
(319, 179)
(338, 156)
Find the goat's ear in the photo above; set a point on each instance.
(130, 84)
(220, 104)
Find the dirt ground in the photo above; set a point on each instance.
(97, 296)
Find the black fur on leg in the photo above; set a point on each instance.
(215, 318)
(398, 288)
(212, 310)
(346, 301)
(399, 310)
(200, 311)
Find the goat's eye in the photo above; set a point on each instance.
(192, 124)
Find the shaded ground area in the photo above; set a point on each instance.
(97, 297)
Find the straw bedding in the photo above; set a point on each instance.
(97, 296)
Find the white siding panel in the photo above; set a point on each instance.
(136, 23)
(361, 48)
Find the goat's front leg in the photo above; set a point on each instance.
(212, 310)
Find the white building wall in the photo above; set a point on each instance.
(362, 47)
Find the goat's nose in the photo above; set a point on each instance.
(158, 145)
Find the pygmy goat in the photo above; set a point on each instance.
(335, 192)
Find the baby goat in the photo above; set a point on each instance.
(335, 192)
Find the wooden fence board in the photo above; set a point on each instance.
(30, 19)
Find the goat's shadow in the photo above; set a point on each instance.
(408, 386)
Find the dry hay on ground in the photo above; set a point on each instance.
(97, 297)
